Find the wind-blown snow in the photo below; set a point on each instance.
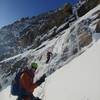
(78, 80)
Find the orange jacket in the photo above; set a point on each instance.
(26, 82)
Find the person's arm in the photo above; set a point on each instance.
(41, 80)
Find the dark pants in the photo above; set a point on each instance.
(24, 94)
(48, 58)
(32, 97)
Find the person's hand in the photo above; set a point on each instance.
(41, 80)
(43, 77)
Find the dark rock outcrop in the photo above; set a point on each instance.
(98, 27)
(25, 32)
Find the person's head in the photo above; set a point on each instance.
(34, 66)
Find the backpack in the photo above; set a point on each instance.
(15, 85)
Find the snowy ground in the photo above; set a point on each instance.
(5, 94)
(78, 80)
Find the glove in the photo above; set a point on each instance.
(41, 80)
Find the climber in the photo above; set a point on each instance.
(49, 54)
(25, 84)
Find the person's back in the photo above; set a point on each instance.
(16, 88)
(27, 83)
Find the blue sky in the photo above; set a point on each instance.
(12, 10)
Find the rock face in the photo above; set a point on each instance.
(28, 31)
(43, 23)
(85, 33)
(85, 39)
(98, 27)
(89, 4)
(31, 32)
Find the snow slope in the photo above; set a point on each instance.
(78, 80)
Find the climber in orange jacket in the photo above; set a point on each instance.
(27, 83)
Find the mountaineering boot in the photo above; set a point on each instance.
(19, 98)
(35, 98)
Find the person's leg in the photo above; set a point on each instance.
(27, 98)
(35, 98)
(48, 58)
(19, 98)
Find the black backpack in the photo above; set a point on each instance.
(15, 85)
